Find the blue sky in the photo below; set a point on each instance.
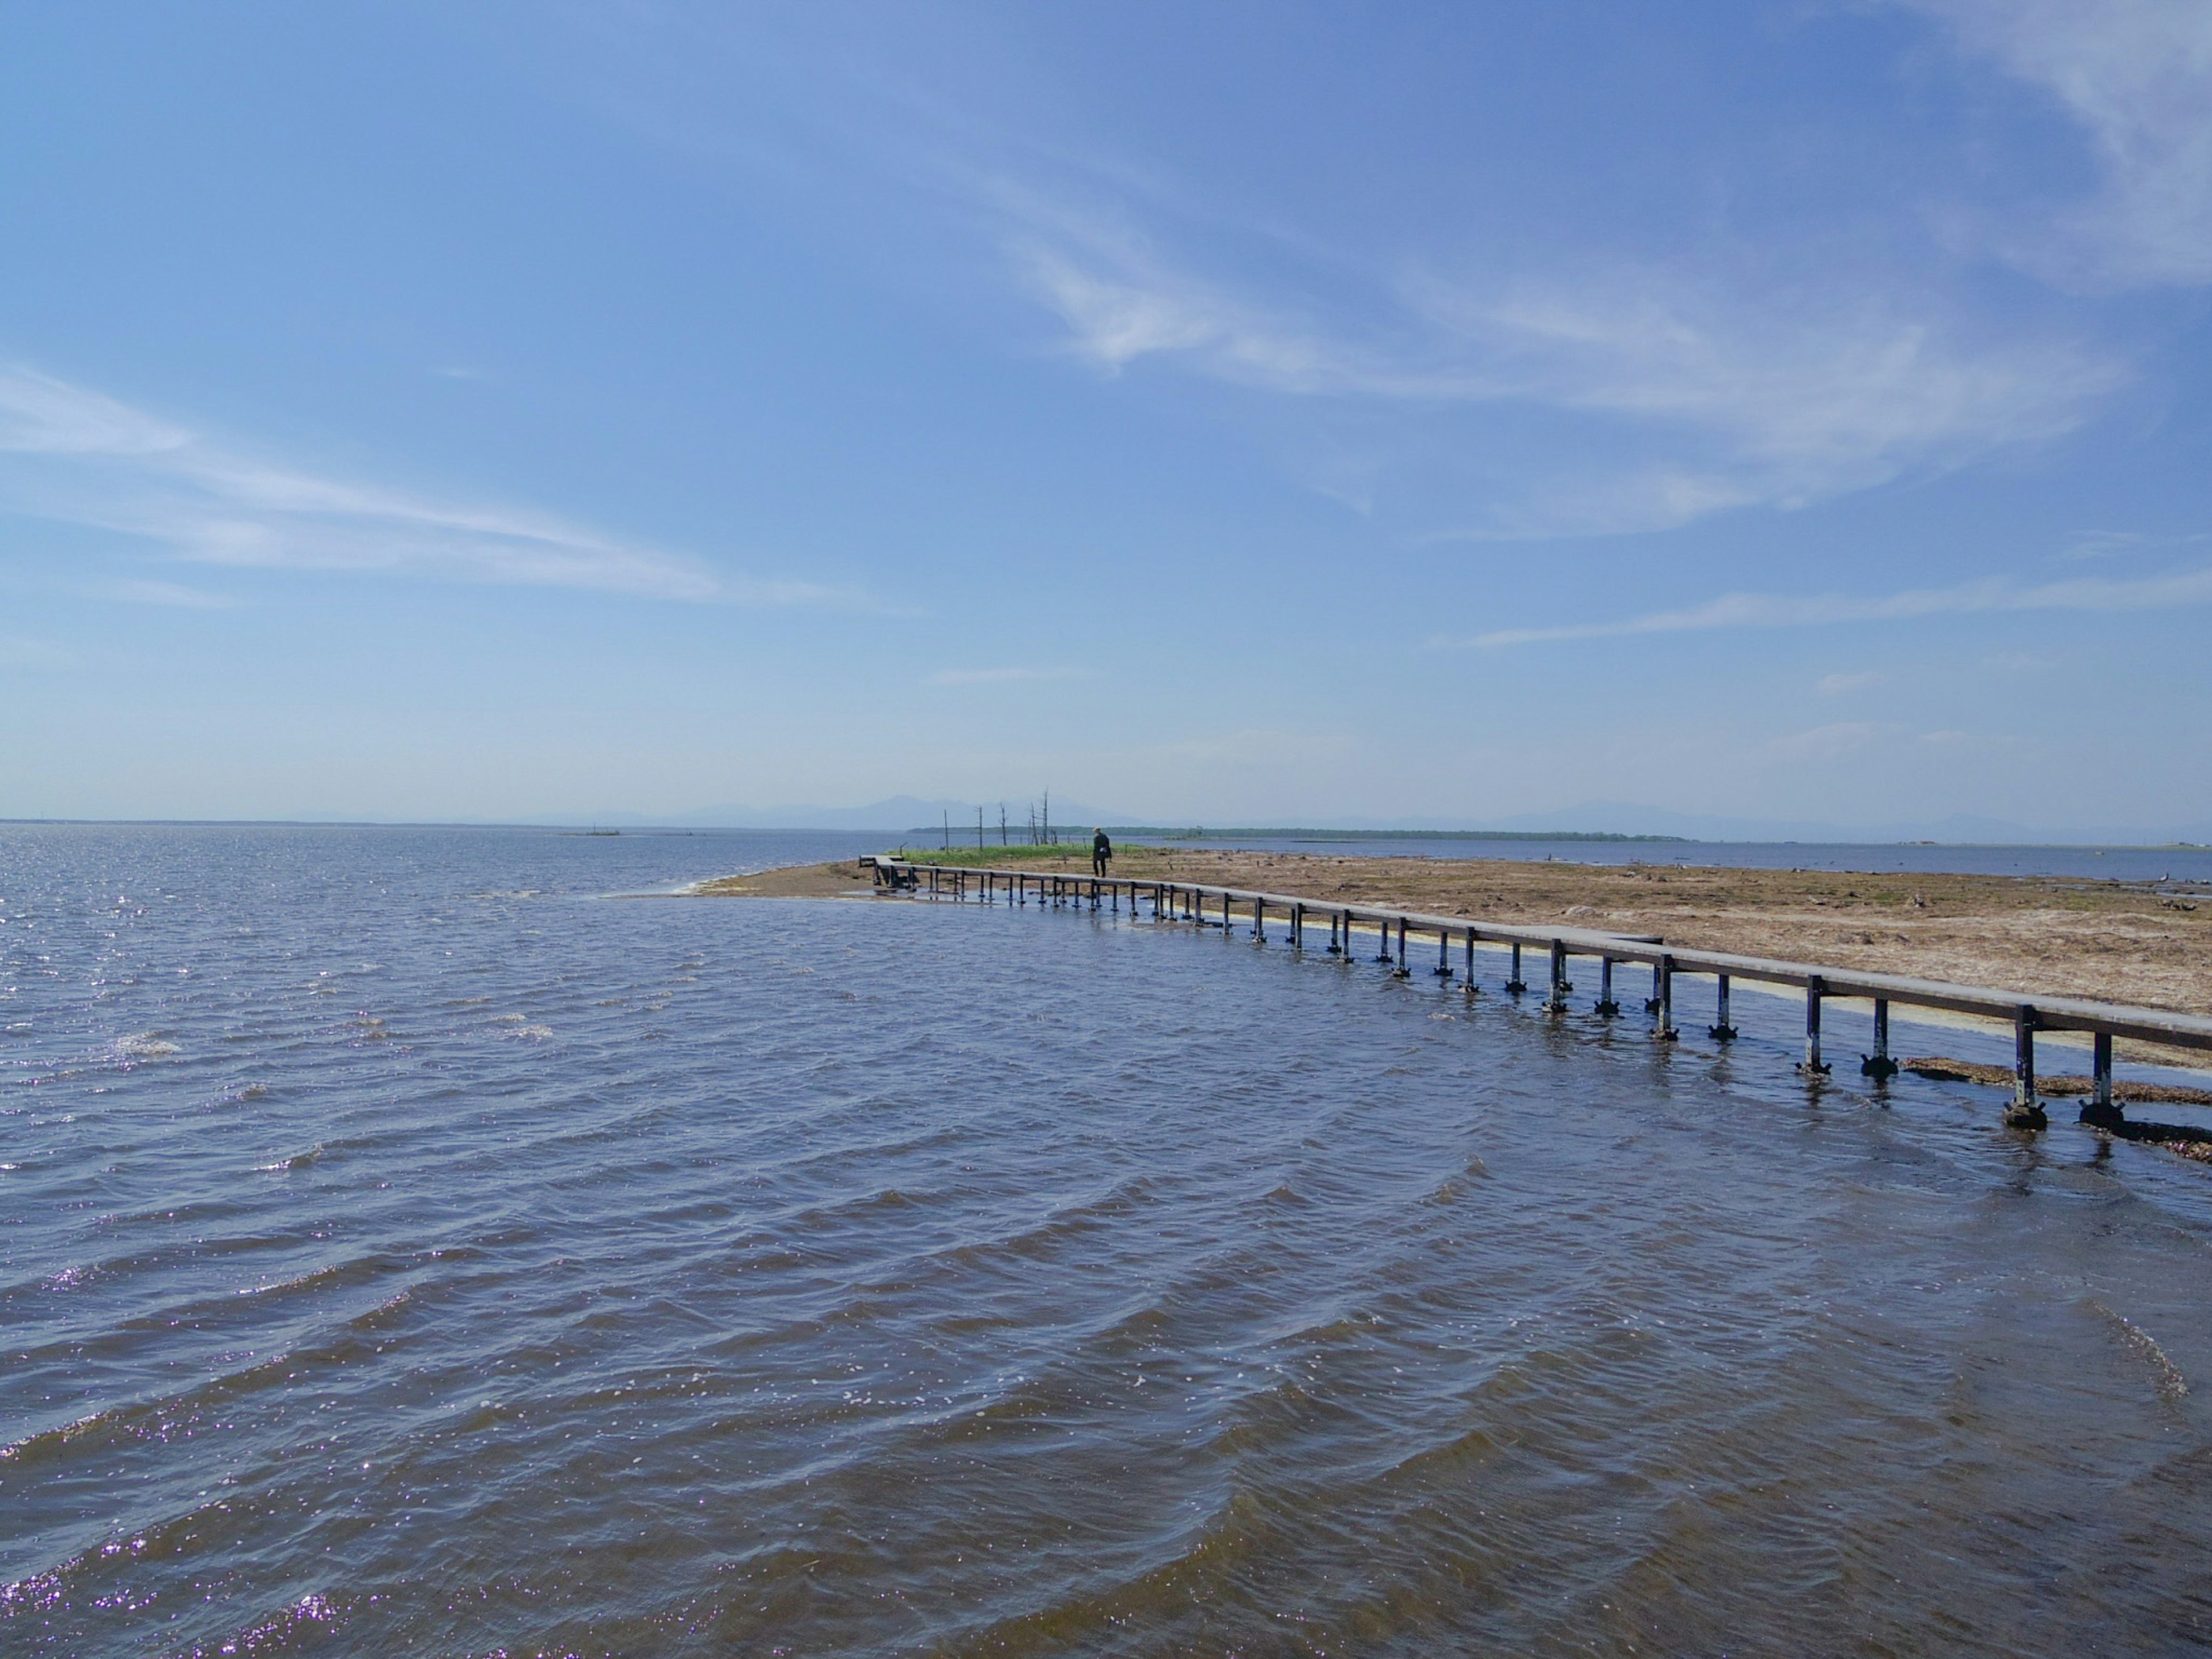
(1241, 412)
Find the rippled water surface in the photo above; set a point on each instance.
(405, 1247)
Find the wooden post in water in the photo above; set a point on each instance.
(1721, 1030)
(1259, 921)
(1334, 948)
(2101, 1110)
(1557, 1002)
(1662, 983)
(1469, 982)
(2026, 1111)
(1878, 1065)
(1513, 981)
(1606, 1007)
(1815, 989)
(1402, 970)
(1443, 953)
(1298, 926)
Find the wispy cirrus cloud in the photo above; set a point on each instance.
(175, 595)
(78, 455)
(2186, 587)
(18, 652)
(1836, 685)
(1004, 675)
(1754, 392)
(2136, 76)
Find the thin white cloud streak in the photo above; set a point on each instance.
(1836, 685)
(2136, 76)
(1766, 397)
(16, 652)
(174, 595)
(1003, 676)
(1826, 609)
(76, 456)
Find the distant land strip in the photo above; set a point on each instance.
(1193, 832)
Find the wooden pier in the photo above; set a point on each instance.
(1202, 905)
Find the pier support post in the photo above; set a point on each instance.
(1382, 939)
(1471, 986)
(1662, 1000)
(1878, 1065)
(1443, 953)
(1606, 1007)
(1557, 1002)
(1721, 1030)
(1401, 971)
(1334, 948)
(1513, 985)
(2026, 1111)
(1815, 989)
(1259, 921)
(1298, 926)
(2100, 1109)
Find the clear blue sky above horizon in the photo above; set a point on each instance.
(1244, 412)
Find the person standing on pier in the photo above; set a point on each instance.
(1102, 851)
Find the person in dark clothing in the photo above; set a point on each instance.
(1102, 851)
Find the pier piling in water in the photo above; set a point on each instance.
(1811, 1065)
(1721, 1030)
(2099, 1110)
(1606, 1007)
(1878, 1065)
(1557, 1002)
(2026, 1111)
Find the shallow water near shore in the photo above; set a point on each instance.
(404, 1248)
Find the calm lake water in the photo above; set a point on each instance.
(406, 1249)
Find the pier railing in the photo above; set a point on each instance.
(1206, 905)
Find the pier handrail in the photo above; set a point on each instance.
(2044, 1013)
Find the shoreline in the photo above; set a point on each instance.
(2038, 935)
